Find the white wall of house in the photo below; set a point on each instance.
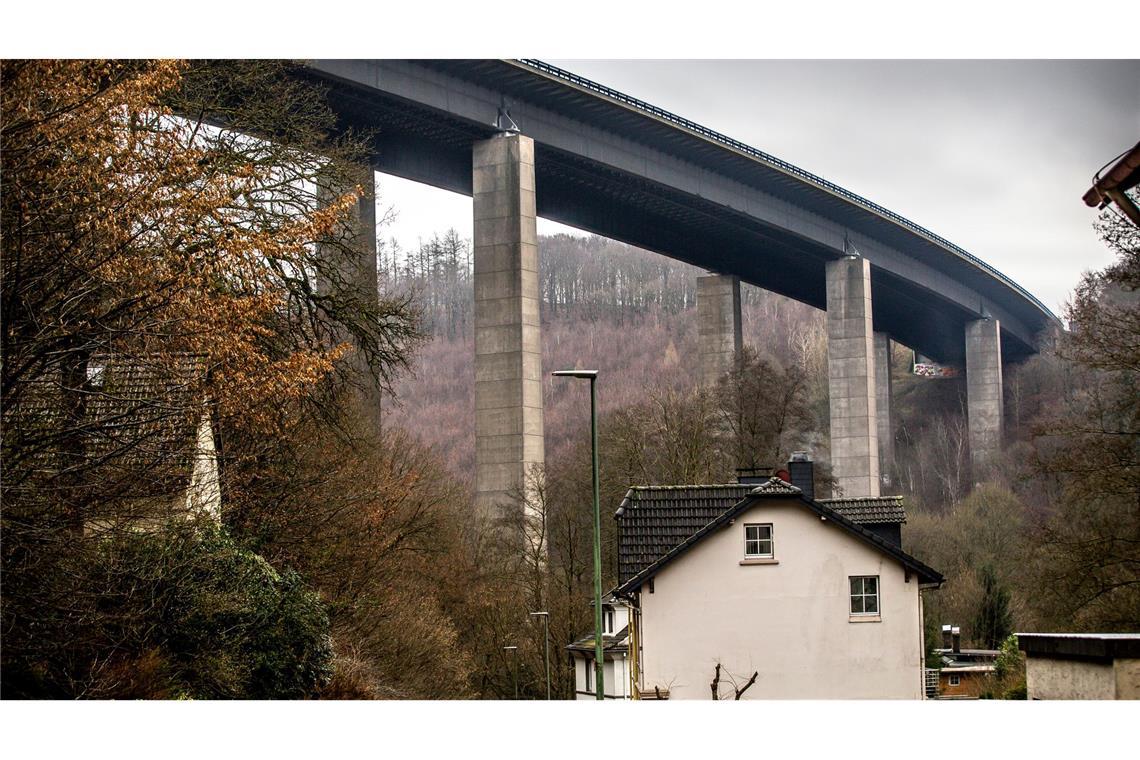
(620, 618)
(615, 672)
(204, 494)
(789, 619)
(615, 617)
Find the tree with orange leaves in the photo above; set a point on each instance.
(154, 211)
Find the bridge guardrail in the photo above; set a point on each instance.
(715, 136)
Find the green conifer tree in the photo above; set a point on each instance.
(993, 623)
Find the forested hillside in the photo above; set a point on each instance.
(629, 313)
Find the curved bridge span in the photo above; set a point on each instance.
(616, 166)
(602, 161)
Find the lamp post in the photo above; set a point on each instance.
(516, 651)
(546, 641)
(592, 376)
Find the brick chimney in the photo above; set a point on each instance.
(802, 471)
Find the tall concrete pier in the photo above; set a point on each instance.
(718, 325)
(886, 430)
(358, 275)
(508, 352)
(851, 378)
(365, 282)
(983, 392)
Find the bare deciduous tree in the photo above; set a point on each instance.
(737, 689)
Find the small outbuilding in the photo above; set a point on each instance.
(963, 673)
(1081, 665)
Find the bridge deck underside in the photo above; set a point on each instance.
(422, 144)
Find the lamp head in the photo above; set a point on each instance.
(589, 374)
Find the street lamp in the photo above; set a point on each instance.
(592, 376)
(516, 651)
(546, 639)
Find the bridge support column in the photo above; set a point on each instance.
(886, 429)
(718, 325)
(851, 378)
(983, 392)
(508, 352)
(359, 275)
(366, 281)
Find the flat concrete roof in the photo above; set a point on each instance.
(1096, 646)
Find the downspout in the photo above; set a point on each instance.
(634, 655)
(921, 644)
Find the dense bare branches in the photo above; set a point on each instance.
(764, 406)
(165, 266)
(1090, 442)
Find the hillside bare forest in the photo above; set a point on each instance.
(163, 276)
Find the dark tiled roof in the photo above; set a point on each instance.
(674, 509)
(654, 519)
(618, 642)
(140, 425)
(878, 509)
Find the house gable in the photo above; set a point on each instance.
(778, 489)
(789, 618)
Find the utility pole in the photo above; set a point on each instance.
(592, 376)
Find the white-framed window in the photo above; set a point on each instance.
(608, 621)
(589, 674)
(955, 680)
(864, 595)
(758, 541)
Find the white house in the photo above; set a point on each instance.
(616, 683)
(817, 598)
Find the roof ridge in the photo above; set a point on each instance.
(777, 487)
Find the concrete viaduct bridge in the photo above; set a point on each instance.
(599, 160)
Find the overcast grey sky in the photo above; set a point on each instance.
(992, 155)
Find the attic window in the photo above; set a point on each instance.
(608, 625)
(758, 541)
(864, 595)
